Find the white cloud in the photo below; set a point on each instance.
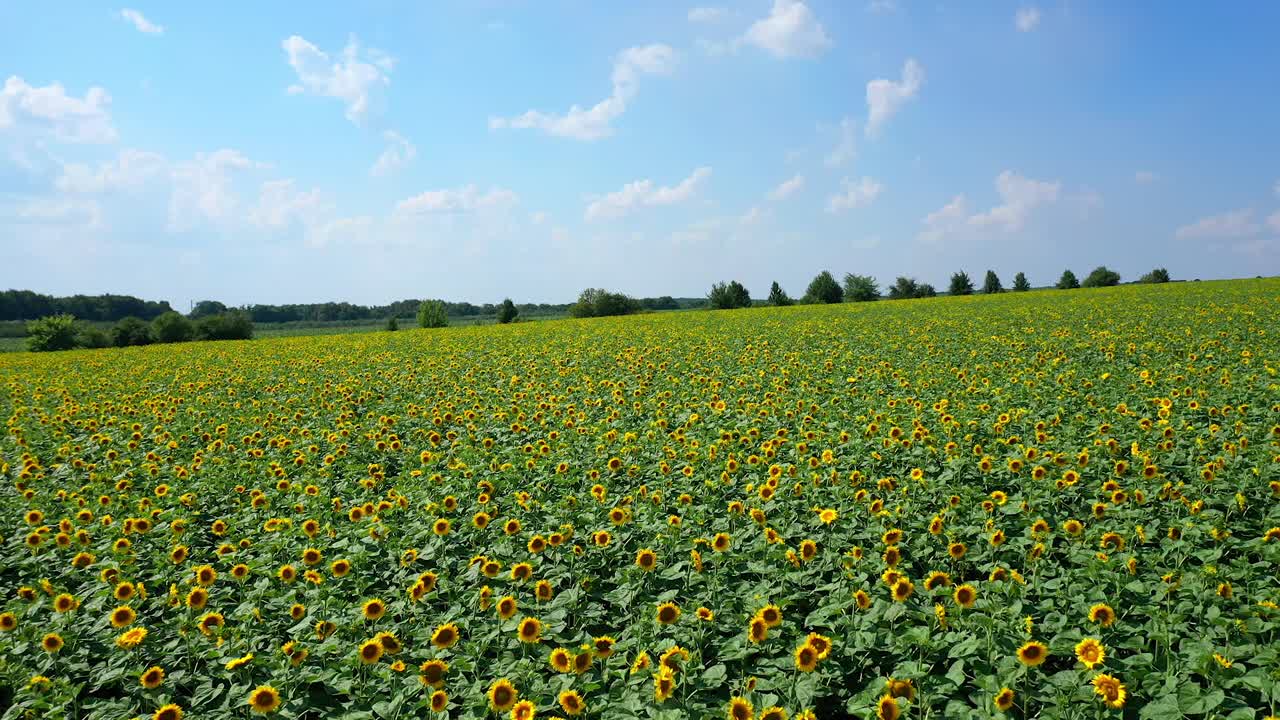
(885, 97)
(1145, 177)
(1273, 222)
(594, 123)
(203, 188)
(49, 111)
(399, 153)
(141, 23)
(844, 150)
(854, 195)
(281, 205)
(64, 212)
(465, 199)
(354, 79)
(1232, 224)
(882, 6)
(944, 221)
(643, 192)
(790, 30)
(131, 170)
(1021, 195)
(752, 216)
(707, 14)
(787, 188)
(1027, 18)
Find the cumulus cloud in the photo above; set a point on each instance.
(885, 97)
(787, 188)
(465, 199)
(355, 78)
(845, 148)
(1231, 224)
(131, 170)
(945, 220)
(141, 23)
(1145, 177)
(399, 153)
(281, 205)
(790, 30)
(707, 14)
(50, 112)
(882, 6)
(1021, 195)
(594, 123)
(643, 193)
(854, 195)
(1026, 19)
(203, 189)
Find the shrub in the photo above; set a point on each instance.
(728, 296)
(991, 284)
(392, 324)
(823, 289)
(92, 336)
(925, 290)
(431, 314)
(1068, 281)
(131, 331)
(55, 332)
(960, 284)
(904, 288)
(172, 327)
(1101, 277)
(1020, 283)
(595, 302)
(860, 288)
(1159, 275)
(778, 297)
(233, 325)
(507, 312)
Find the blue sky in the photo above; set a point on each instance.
(281, 152)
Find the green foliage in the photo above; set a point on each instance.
(233, 325)
(728, 296)
(431, 314)
(55, 332)
(131, 331)
(778, 297)
(960, 284)
(925, 290)
(860, 288)
(26, 305)
(205, 308)
(823, 289)
(392, 324)
(507, 312)
(1068, 281)
(1101, 277)
(1159, 275)
(172, 327)
(666, 302)
(991, 284)
(1020, 283)
(92, 336)
(906, 288)
(597, 302)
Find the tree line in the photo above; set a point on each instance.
(28, 305)
(66, 332)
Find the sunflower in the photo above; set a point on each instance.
(340, 567)
(51, 643)
(1102, 614)
(664, 684)
(721, 542)
(862, 599)
(740, 709)
(937, 579)
(646, 560)
(373, 609)
(903, 589)
(65, 603)
(806, 658)
(706, 614)
(152, 677)
(264, 699)
(122, 616)
(168, 712)
(668, 613)
(603, 646)
(205, 575)
(1090, 652)
(1110, 690)
(502, 695)
(389, 642)
(1004, 699)
(957, 550)
(808, 549)
(529, 630)
(287, 573)
(572, 702)
(239, 662)
(561, 660)
(773, 712)
(210, 622)
(771, 615)
(965, 595)
(131, 638)
(445, 636)
(439, 701)
(820, 643)
(370, 652)
(887, 708)
(582, 661)
(758, 630)
(432, 673)
(507, 607)
(8, 621)
(1032, 653)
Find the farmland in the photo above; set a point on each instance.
(1049, 504)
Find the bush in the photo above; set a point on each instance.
(392, 324)
(205, 308)
(172, 327)
(234, 325)
(778, 297)
(1020, 283)
(823, 289)
(431, 314)
(729, 296)
(925, 290)
(666, 302)
(1159, 275)
(1068, 281)
(860, 288)
(904, 288)
(131, 331)
(507, 312)
(991, 284)
(1101, 277)
(55, 332)
(960, 284)
(92, 336)
(595, 302)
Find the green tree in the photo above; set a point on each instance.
(778, 296)
(131, 331)
(92, 336)
(1068, 281)
(55, 332)
(172, 327)
(507, 311)
(823, 289)
(904, 288)
(205, 308)
(991, 285)
(1101, 276)
(1020, 283)
(1159, 275)
(860, 288)
(431, 314)
(392, 324)
(960, 284)
(925, 290)
(728, 296)
(230, 325)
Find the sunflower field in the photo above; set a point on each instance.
(1059, 504)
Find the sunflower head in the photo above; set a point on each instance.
(1032, 653)
(264, 699)
(502, 695)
